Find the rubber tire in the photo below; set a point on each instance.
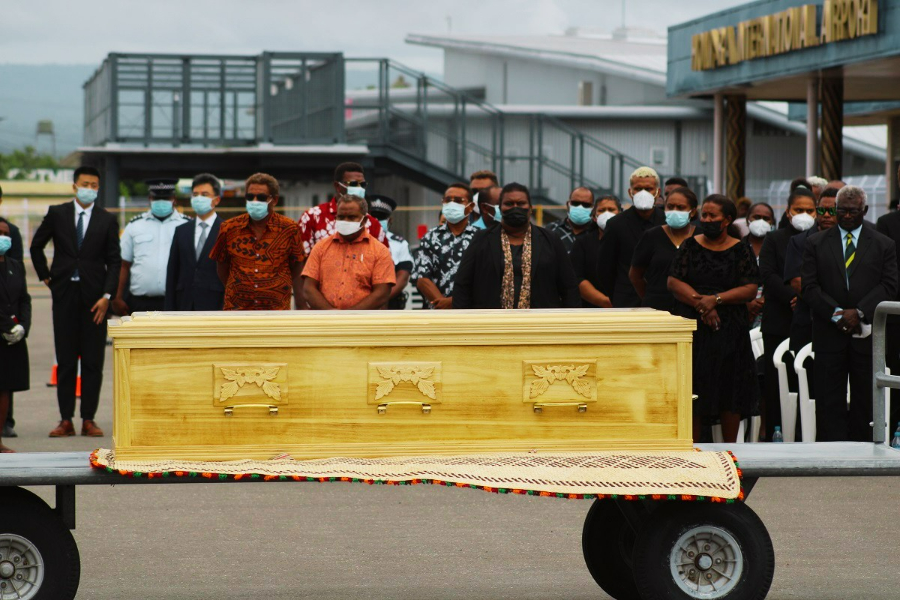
(655, 541)
(606, 542)
(24, 514)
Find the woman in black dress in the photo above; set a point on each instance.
(713, 276)
(586, 250)
(764, 216)
(649, 273)
(15, 321)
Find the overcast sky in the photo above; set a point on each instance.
(66, 32)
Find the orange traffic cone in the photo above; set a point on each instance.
(78, 380)
(52, 382)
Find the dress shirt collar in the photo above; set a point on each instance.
(854, 233)
(209, 219)
(366, 236)
(79, 209)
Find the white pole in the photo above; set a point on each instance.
(718, 147)
(812, 127)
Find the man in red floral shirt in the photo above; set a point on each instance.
(317, 223)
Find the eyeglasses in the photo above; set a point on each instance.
(826, 211)
(853, 212)
(257, 197)
(350, 184)
(457, 199)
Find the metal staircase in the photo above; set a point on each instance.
(436, 134)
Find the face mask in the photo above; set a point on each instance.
(711, 229)
(802, 222)
(161, 208)
(603, 218)
(453, 212)
(479, 224)
(498, 216)
(759, 228)
(201, 204)
(346, 228)
(677, 219)
(355, 190)
(643, 200)
(5, 244)
(86, 195)
(384, 224)
(516, 217)
(257, 210)
(579, 215)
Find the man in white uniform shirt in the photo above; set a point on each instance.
(145, 244)
(382, 208)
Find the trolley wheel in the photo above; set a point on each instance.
(607, 542)
(710, 551)
(38, 556)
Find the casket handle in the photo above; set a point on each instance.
(273, 410)
(382, 408)
(539, 406)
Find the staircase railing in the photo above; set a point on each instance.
(455, 133)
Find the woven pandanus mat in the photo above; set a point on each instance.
(688, 475)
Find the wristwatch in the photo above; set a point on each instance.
(718, 299)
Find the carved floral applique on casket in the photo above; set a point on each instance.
(579, 379)
(263, 380)
(388, 379)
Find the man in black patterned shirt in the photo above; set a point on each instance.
(578, 217)
(441, 249)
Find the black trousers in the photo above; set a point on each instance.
(770, 385)
(145, 303)
(76, 335)
(834, 422)
(9, 414)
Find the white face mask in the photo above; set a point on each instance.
(759, 228)
(802, 222)
(603, 218)
(347, 227)
(643, 200)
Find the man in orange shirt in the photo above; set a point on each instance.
(260, 254)
(350, 270)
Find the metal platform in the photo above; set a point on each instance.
(837, 459)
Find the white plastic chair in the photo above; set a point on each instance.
(787, 397)
(807, 403)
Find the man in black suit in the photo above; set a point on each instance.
(621, 237)
(191, 279)
(82, 278)
(777, 310)
(847, 271)
(17, 252)
(889, 225)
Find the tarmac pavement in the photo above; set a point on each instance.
(834, 538)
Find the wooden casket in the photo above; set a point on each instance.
(227, 386)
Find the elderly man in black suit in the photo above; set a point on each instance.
(847, 271)
(82, 278)
(191, 279)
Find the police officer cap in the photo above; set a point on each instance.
(380, 207)
(161, 187)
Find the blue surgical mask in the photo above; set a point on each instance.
(5, 244)
(257, 210)
(355, 190)
(579, 215)
(201, 205)
(86, 195)
(479, 224)
(384, 224)
(677, 219)
(161, 208)
(453, 212)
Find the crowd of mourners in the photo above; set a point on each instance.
(813, 274)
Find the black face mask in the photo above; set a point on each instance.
(516, 217)
(711, 229)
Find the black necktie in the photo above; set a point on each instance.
(79, 238)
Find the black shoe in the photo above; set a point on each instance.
(9, 432)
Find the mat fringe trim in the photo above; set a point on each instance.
(99, 460)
